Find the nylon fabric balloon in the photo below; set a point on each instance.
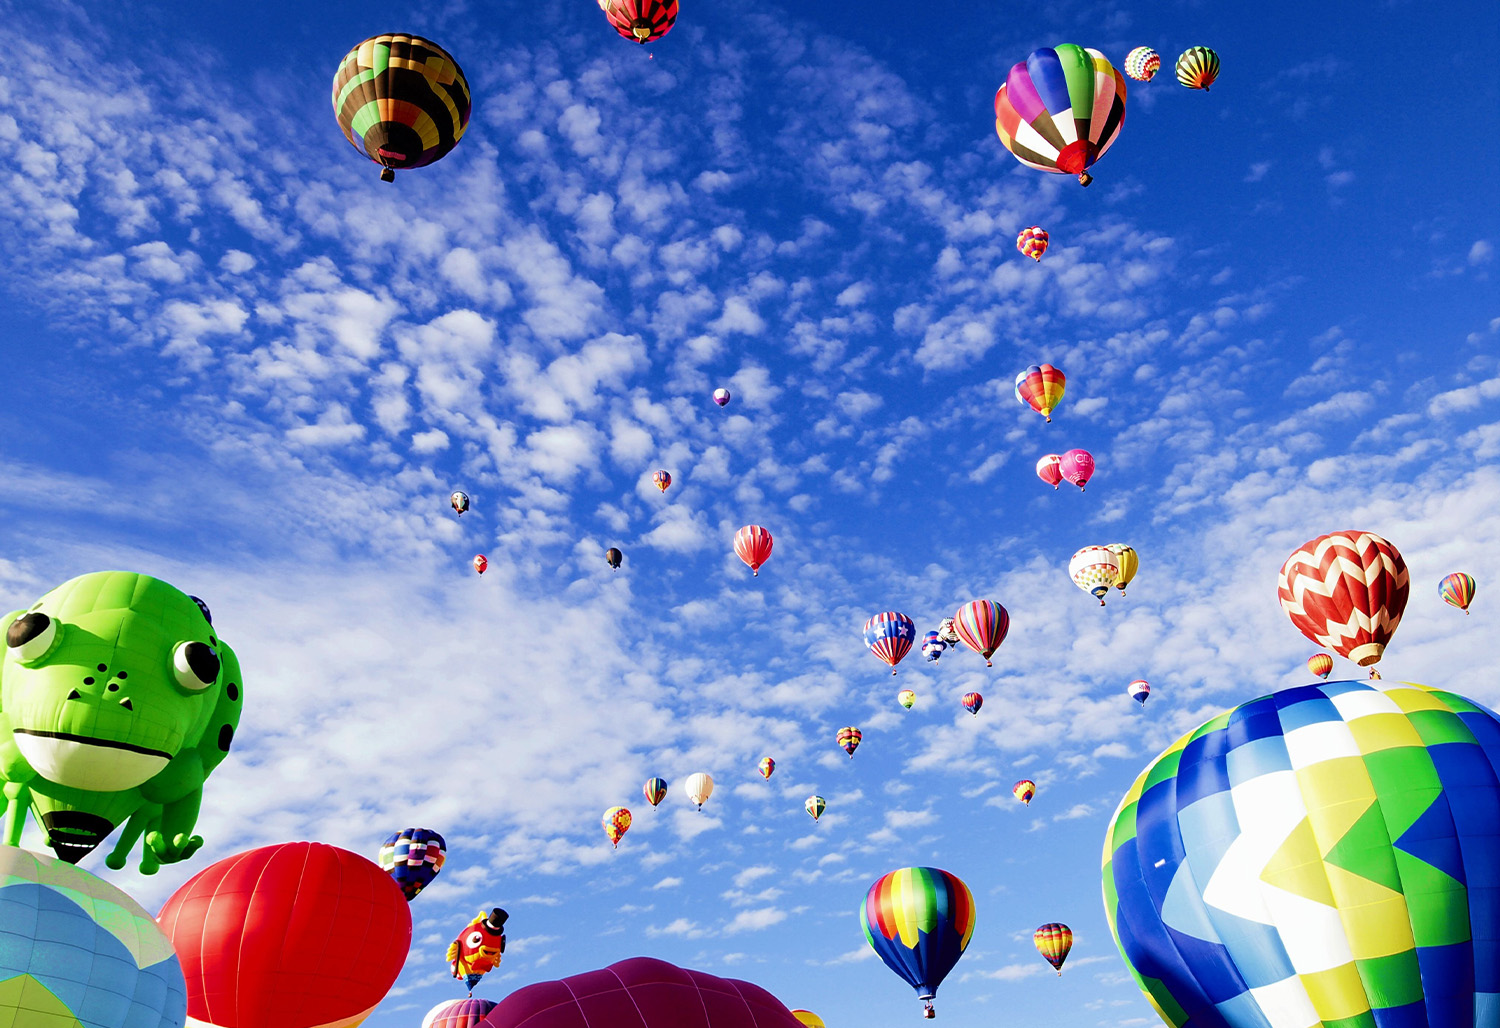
(1041, 387)
(1053, 941)
(1032, 242)
(1198, 68)
(1325, 853)
(906, 698)
(413, 857)
(919, 921)
(766, 766)
(982, 625)
(1024, 790)
(459, 501)
(662, 480)
(947, 632)
(1094, 569)
(933, 646)
(1077, 466)
(721, 397)
(1061, 109)
(1457, 590)
(655, 790)
(613, 557)
(480, 563)
(1142, 63)
(1346, 591)
(889, 636)
(401, 100)
(1139, 690)
(641, 21)
(616, 824)
(815, 806)
(1049, 469)
(699, 787)
(848, 739)
(753, 545)
(1320, 664)
(808, 1018)
(972, 701)
(458, 1013)
(1129, 562)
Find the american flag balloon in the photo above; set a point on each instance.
(889, 636)
(1346, 591)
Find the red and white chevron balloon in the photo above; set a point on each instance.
(1346, 591)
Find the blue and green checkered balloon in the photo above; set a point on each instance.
(1327, 855)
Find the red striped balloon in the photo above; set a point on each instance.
(753, 544)
(1346, 591)
(982, 625)
(972, 701)
(641, 21)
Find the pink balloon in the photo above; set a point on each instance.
(1048, 469)
(1077, 467)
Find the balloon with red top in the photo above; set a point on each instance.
(753, 545)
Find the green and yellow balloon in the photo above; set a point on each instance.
(401, 100)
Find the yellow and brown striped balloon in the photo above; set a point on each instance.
(401, 100)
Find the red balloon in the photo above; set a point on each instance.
(1346, 591)
(753, 544)
(298, 935)
(641, 993)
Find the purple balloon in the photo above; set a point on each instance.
(1077, 467)
(721, 396)
(641, 993)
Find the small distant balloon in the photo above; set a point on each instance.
(815, 806)
(753, 545)
(722, 397)
(972, 701)
(480, 563)
(947, 632)
(1077, 466)
(1024, 790)
(1142, 63)
(848, 739)
(1198, 68)
(1139, 690)
(1094, 569)
(459, 502)
(982, 625)
(1053, 941)
(663, 480)
(1032, 242)
(906, 698)
(1320, 664)
(640, 21)
(1041, 387)
(614, 557)
(767, 766)
(616, 824)
(809, 1019)
(699, 787)
(1129, 562)
(1049, 469)
(413, 857)
(655, 790)
(458, 1013)
(933, 646)
(1457, 590)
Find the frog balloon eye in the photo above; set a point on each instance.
(31, 636)
(195, 665)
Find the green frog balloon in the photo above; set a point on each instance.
(117, 700)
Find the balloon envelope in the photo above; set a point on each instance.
(753, 545)
(1320, 664)
(808, 1018)
(662, 480)
(459, 501)
(1053, 941)
(641, 21)
(848, 739)
(1139, 690)
(401, 100)
(254, 932)
(1041, 388)
(983, 626)
(815, 806)
(458, 1013)
(1061, 109)
(1346, 591)
(721, 396)
(655, 790)
(613, 557)
(1339, 832)
(766, 766)
(1077, 466)
(75, 950)
(1198, 67)
(919, 921)
(1049, 469)
(972, 701)
(933, 645)
(1142, 63)
(906, 698)
(699, 787)
(1032, 242)
(1024, 790)
(1094, 569)
(413, 857)
(1457, 590)
(889, 636)
(616, 824)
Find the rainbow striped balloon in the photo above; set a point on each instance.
(919, 921)
(1457, 590)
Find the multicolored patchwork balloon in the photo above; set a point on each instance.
(848, 739)
(815, 806)
(1032, 242)
(641, 21)
(1142, 63)
(1061, 109)
(972, 701)
(767, 766)
(1457, 590)
(889, 636)
(1053, 941)
(753, 546)
(655, 790)
(401, 100)
(1320, 664)
(1024, 790)
(1049, 469)
(1325, 854)
(413, 857)
(919, 921)
(1041, 387)
(616, 824)
(1198, 67)
(1346, 591)
(982, 625)
(1094, 569)
(662, 480)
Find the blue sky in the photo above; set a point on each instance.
(237, 360)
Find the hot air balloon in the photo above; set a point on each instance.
(613, 556)
(919, 921)
(767, 765)
(1024, 790)
(1198, 67)
(662, 480)
(849, 738)
(808, 1019)
(480, 563)
(655, 790)
(1061, 109)
(815, 806)
(1053, 941)
(641, 21)
(413, 857)
(1032, 242)
(1320, 664)
(1077, 466)
(253, 933)
(933, 646)
(753, 545)
(947, 632)
(1139, 690)
(642, 993)
(75, 950)
(699, 787)
(1142, 63)
(459, 501)
(1352, 842)
(721, 397)
(906, 698)
(972, 701)
(1346, 592)
(1129, 562)
(1049, 469)
(616, 824)
(401, 100)
(1041, 387)
(479, 947)
(1094, 569)
(458, 1013)
(982, 625)
(889, 636)
(1457, 590)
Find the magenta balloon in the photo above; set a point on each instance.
(641, 992)
(1077, 467)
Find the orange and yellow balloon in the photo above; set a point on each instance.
(616, 824)
(1040, 387)
(1053, 941)
(1024, 790)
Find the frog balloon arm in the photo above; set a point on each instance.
(144, 816)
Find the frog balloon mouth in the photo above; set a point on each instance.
(79, 762)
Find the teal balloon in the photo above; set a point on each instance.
(75, 949)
